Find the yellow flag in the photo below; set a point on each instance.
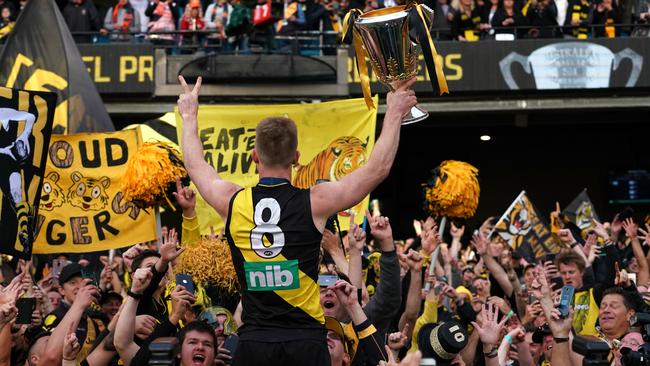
(334, 138)
(81, 208)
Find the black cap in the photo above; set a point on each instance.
(442, 341)
(540, 333)
(70, 271)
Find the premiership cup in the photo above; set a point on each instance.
(392, 39)
(386, 37)
(571, 65)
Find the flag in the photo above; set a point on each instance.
(581, 211)
(334, 138)
(41, 55)
(162, 129)
(522, 228)
(25, 129)
(82, 208)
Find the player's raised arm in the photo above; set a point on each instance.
(332, 197)
(216, 191)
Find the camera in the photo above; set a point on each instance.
(594, 350)
(640, 357)
(163, 351)
(636, 358)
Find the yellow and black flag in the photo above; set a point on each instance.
(41, 55)
(25, 128)
(581, 212)
(522, 228)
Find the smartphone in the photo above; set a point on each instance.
(88, 274)
(57, 266)
(231, 345)
(327, 280)
(437, 289)
(185, 280)
(550, 257)
(531, 298)
(566, 299)
(558, 282)
(25, 306)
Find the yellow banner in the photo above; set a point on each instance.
(81, 208)
(334, 138)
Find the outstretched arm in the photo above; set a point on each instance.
(481, 243)
(86, 295)
(216, 191)
(124, 330)
(631, 230)
(329, 198)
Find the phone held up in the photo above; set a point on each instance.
(26, 307)
(185, 280)
(566, 299)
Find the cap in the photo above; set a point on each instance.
(540, 333)
(69, 272)
(349, 343)
(442, 341)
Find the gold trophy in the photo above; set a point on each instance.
(390, 38)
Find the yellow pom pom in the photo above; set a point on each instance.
(454, 190)
(209, 263)
(150, 174)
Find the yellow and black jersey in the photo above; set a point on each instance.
(87, 331)
(275, 248)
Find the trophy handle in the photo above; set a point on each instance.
(637, 64)
(506, 70)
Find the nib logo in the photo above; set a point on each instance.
(272, 275)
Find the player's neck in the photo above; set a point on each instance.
(267, 172)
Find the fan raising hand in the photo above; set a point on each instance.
(381, 230)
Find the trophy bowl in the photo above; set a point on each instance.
(392, 54)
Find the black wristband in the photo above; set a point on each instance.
(574, 244)
(134, 295)
(560, 339)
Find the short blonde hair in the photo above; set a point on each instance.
(276, 141)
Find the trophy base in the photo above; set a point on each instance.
(416, 114)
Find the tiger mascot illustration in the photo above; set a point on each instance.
(585, 216)
(342, 156)
(52, 195)
(518, 223)
(88, 193)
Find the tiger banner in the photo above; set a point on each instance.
(82, 209)
(522, 228)
(26, 120)
(334, 138)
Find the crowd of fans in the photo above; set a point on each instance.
(475, 302)
(309, 25)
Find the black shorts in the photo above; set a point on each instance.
(298, 353)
